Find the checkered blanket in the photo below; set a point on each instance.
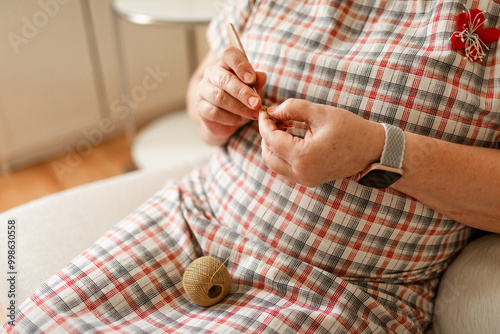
(339, 258)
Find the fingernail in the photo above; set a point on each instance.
(249, 78)
(253, 102)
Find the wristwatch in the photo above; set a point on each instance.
(384, 173)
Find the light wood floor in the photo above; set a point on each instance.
(110, 159)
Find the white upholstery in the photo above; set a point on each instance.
(55, 229)
(469, 292)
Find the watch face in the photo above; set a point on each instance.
(379, 178)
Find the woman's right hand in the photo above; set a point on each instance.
(220, 97)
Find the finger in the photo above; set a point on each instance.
(212, 113)
(296, 110)
(218, 98)
(275, 162)
(266, 125)
(220, 130)
(282, 144)
(227, 82)
(234, 60)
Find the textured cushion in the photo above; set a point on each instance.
(56, 228)
(468, 299)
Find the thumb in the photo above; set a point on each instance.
(294, 110)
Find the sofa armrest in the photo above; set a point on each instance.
(468, 299)
(51, 231)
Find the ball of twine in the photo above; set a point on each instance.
(206, 281)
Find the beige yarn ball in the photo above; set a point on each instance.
(202, 286)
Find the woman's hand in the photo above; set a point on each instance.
(221, 98)
(459, 181)
(338, 143)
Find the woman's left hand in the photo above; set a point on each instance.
(459, 181)
(337, 144)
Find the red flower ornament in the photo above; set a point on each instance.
(471, 36)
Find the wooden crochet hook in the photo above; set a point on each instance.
(234, 40)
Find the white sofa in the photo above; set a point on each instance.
(56, 228)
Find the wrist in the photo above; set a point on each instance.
(388, 169)
(375, 145)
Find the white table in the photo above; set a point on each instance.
(166, 11)
(168, 137)
(168, 140)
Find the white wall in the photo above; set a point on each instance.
(59, 75)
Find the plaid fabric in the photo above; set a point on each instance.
(339, 258)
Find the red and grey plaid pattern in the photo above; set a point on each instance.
(339, 258)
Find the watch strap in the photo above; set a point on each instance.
(394, 147)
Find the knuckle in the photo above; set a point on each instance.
(227, 52)
(298, 170)
(219, 96)
(266, 153)
(235, 60)
(241, 93)
(266, 150)
(242, 67)
(209, 73)
(209, 112)
(212, 113)
(293, 103)
(301, 169)
(223, 79)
